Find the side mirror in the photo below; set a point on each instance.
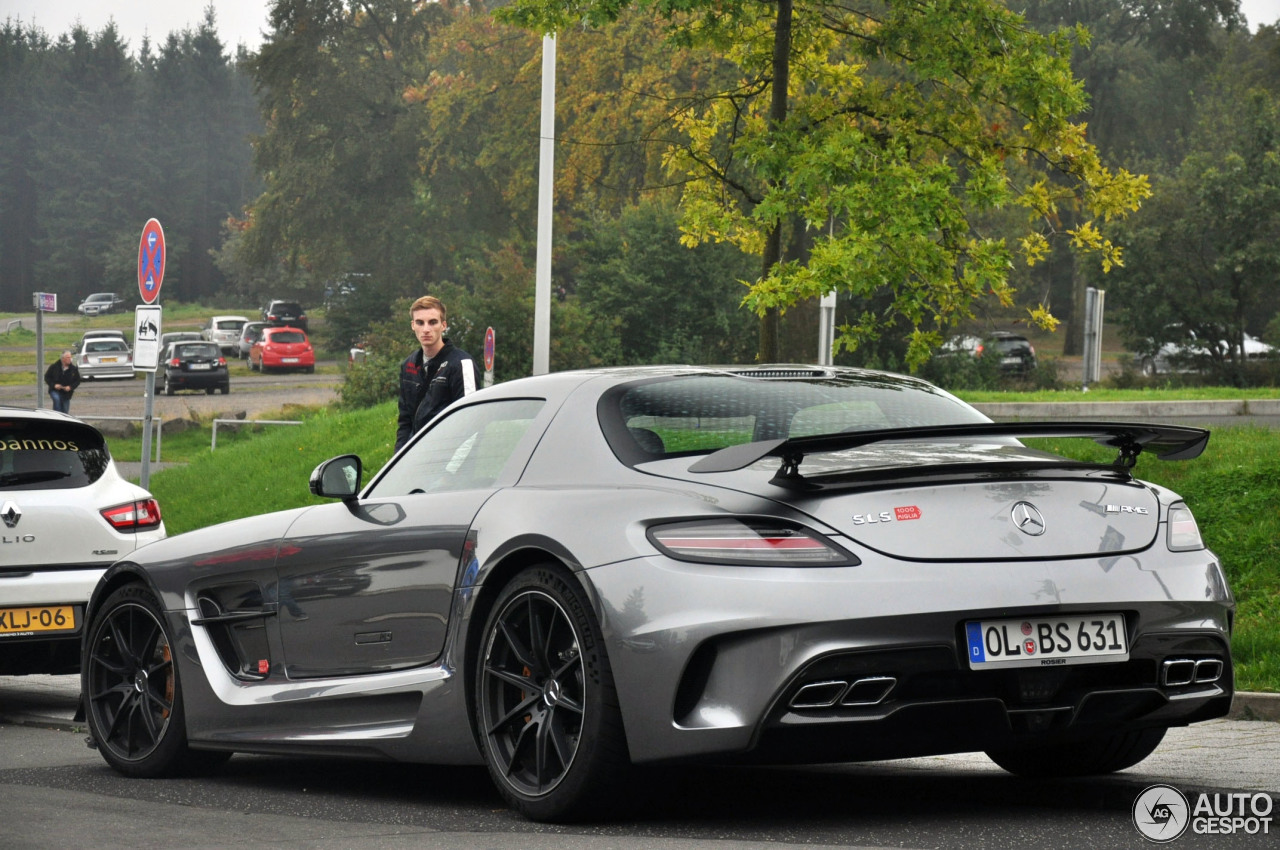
(337, 478)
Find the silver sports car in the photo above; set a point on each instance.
(568, 575)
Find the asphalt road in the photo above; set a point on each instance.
(55, 792)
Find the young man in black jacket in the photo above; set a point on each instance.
(435, 376)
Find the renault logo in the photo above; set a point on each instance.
(1028, 519)
(10, 513)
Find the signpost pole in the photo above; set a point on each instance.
(151, 257)
(40, 367)
(44, 302)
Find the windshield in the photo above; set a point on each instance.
(703, 413)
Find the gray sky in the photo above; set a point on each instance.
(243, 21)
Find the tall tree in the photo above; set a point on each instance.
(885, 129)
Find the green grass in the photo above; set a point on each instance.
(1233, 489)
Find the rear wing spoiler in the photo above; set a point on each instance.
(1167, 442)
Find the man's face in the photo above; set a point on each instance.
(429, 327)
(66, 358)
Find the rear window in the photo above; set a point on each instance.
(287, 336)
(36, 454)
(197, 351)
(704, 413)
(288, 308)
(230, 324)
(94, 346)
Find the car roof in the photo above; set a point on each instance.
(230, 316)
(103, 332)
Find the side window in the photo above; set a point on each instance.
(465, 450)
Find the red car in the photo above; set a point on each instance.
(282, 348)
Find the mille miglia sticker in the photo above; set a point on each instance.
(898, 515)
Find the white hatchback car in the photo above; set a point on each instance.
(225, 331)
(68, 514)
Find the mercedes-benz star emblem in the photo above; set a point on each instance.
(10, 513)
(1027, 519)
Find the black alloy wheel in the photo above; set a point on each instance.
(131, 689)
(547, 710)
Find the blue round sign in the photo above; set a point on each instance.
(151, 261)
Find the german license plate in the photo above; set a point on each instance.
(200, 366)
(288, 360)
(1046, 641)
(53, 618)
(109, 360)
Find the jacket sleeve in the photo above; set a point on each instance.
(74, 381)
(404, 418)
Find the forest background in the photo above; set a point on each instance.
(371, 152)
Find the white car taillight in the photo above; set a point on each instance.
(752, 542)
(1184, 534)
(133, 516)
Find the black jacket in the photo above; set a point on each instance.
(69, 377)
(426, 390)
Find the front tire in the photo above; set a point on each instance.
(1093, 756)
(132, 690)
(546, 708)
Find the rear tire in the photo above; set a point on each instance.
(546, 708)
(168, 387)
(1103, 754)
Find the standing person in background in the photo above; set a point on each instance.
(434, 376)
(62, 377)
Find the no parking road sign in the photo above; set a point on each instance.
(151, 261)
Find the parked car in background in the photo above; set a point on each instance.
(1015, 352)
(249, 334)
(285, 313)
(282, 348)
(105, 357)
(225, 331)
(179, 336)
(193, 366)
(68, 513)
(1191, 354)
(782, 563)
(101, 302)
(96, 334)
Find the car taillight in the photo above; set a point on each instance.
(1184, 534)
(175, 363)
(133, 516)
(978, 351)
(222, 361)
(751, 542)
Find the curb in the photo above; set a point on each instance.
(1249, 705)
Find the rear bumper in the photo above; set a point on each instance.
(197, 380)
(870, 662)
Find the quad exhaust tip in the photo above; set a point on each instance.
(1178, 672)
(869, 690)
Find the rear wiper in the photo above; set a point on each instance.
(1167, 442)
(32, 476)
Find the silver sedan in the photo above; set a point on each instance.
(105, 358)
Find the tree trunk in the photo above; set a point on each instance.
(770, 345)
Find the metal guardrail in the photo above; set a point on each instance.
(156, 420)
(214, 443)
